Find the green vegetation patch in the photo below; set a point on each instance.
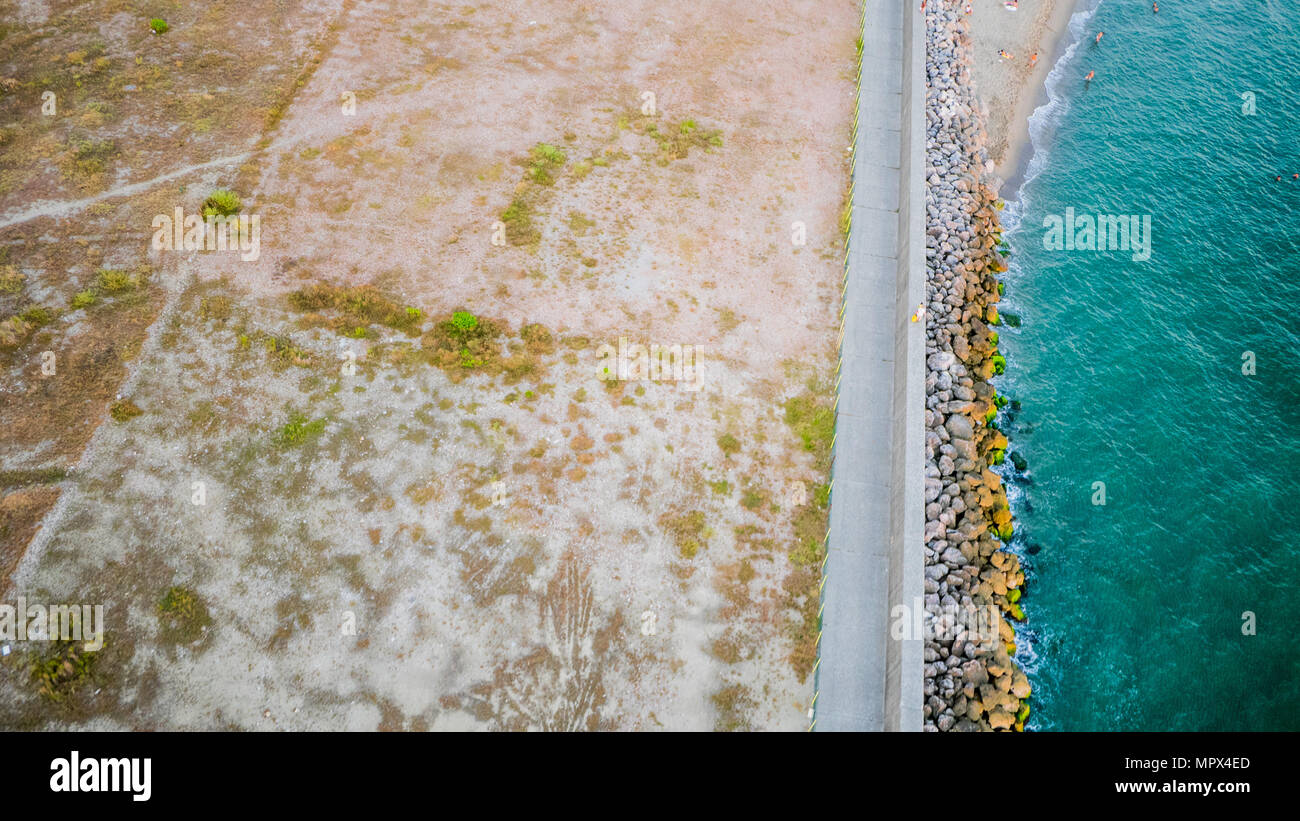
(688, 531)
(86, 160)
(62, 670)
(356, 307)
(733, 703)
(222, 203)
(541, 167)
(298, 430)
(463, 342)
(115, 281)
(675, 140)
(545, 159)
(11, 280)
(182, 615)
(124, 410)
(729, 445)
(813, 421)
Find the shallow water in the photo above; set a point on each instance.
(1130, 373)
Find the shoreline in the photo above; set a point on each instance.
(1011, 92)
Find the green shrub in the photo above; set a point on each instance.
(84, 299)
(221, 203)
(112, 281)
(464, 322)
(36, 315)
(158, 25)
(546, 158)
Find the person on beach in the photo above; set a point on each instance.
(1033, 59)
(1005, 55)
(920, 312)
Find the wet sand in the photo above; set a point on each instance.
(1012, 89)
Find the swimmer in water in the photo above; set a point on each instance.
(1099, 35)
(1155, 8)
(1091, 74)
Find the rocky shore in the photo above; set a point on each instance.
(972, 582)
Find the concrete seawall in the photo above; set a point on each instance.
(867, 680)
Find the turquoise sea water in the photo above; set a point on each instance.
(1130, 373)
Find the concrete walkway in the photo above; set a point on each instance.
(865, 679)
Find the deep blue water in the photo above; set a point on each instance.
(1130, 373)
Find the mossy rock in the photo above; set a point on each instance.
(1016, 612)
(1013, 595)
(999, 364)
(1018, 461)
(1011, 320)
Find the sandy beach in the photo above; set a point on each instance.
(1010, 88)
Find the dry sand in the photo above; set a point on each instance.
(1011, 89)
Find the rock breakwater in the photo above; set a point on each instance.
(972, 582)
